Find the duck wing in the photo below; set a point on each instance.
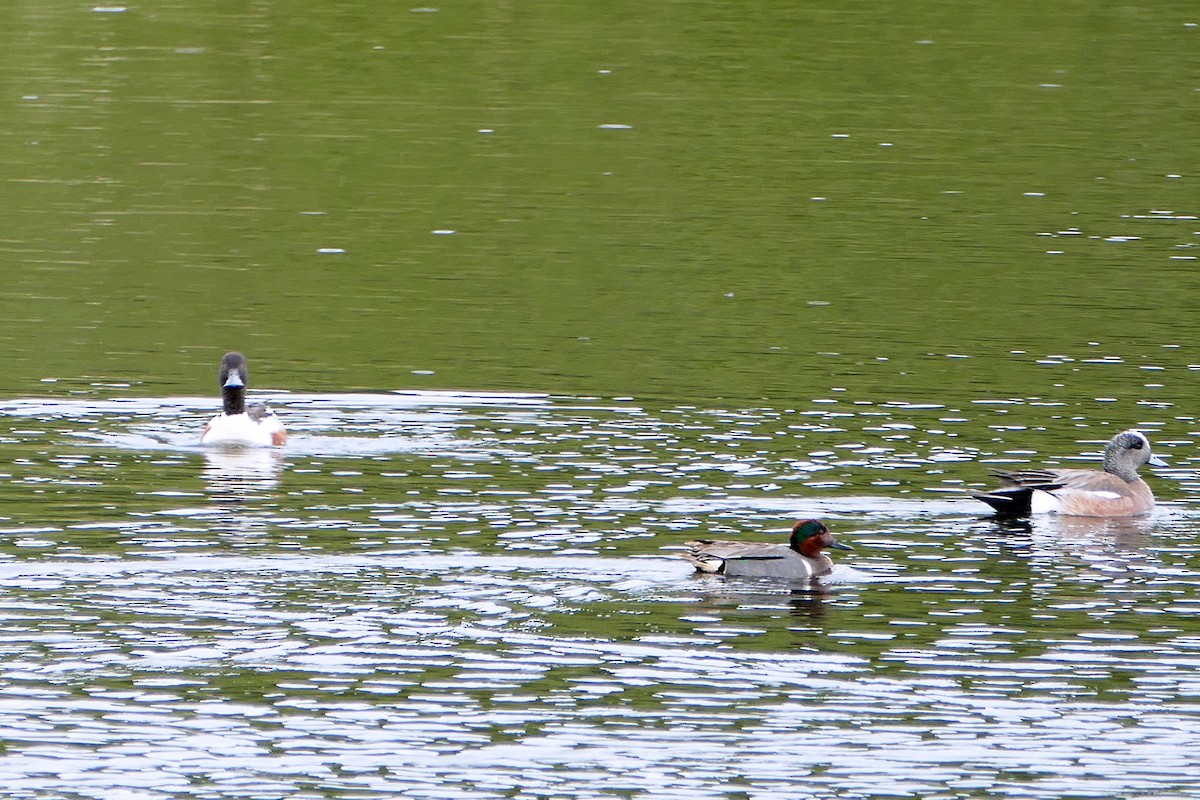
(1088, 480)
(1044, 479)
(710, 555)
(259, 411)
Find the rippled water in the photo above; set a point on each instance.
(819, 259)
(469, 595)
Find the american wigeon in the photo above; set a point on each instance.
(800, 559)
(237, 424)
(1117, 491)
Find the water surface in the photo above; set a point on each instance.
(466, 595)
(543, 291)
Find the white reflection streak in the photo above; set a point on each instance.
(236, 473)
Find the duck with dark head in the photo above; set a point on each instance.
(800, 559)
(239, 425)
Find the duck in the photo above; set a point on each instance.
(1115, 491)
(800, 559)
(238, 424)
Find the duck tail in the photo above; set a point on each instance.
(1015, 498)
(702, 561)
(1016, 501)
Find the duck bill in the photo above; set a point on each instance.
(1155, 461)
(840, 545)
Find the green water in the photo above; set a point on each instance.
(170, 173)
(751, 262)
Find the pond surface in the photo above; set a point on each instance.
(479, 595)
(542, 291)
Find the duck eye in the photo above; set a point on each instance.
(1136, 444)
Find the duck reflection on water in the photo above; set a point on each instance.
(233, 475)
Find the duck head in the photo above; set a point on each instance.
(810, 537)
(233, 378)
(1126, 452)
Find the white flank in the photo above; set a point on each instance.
(1044, 503)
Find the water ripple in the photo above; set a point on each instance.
(443, 595)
